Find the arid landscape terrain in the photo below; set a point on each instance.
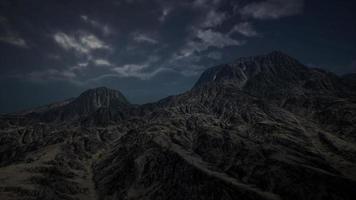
(262, 127)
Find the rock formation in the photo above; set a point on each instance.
(263, 127)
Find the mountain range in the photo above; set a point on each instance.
(262, 127)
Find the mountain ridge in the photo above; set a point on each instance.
(237, 73)
(276, 134)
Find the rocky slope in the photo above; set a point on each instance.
(263, 127)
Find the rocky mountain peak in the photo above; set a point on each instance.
(86, 104)
(93, 99)
(273, 65)
(102, 96)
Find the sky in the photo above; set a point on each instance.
(51, 50)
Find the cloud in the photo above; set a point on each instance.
(144, 38)
(272, 9)
(14, 40)
(186, 60)
(210, 13)
(208, 38)
(165, 13)
(91, 42)
(10, 36)
(144, 70)
(185, 64)
(119, 73)
(51, 74)
(71, 74)
(137, 71)
(204, 3)
(216, 55)
(245, 29)
(129, 70)
(80, 66)
(214, 18)
(106, 29)
(102, 62)
(83, 43)
(211, 38)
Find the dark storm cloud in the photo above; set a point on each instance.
(139, 45)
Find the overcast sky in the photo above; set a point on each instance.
(51, 50)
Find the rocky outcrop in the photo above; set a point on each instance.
(263, 127)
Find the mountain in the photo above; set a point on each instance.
(87, 104)
(273, 74)
(274, 65)
(262, 127)
(94, 99)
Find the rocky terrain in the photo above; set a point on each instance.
(263, 127)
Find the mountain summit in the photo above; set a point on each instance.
(93, 99)
(273, 65)
(86, 104)
(273, 74)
